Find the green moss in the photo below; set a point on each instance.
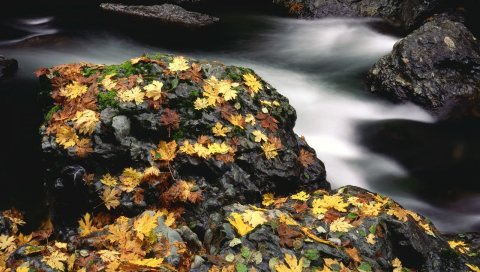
(312, 254)
(51, 112)
(124, 69)
(107, 99)
(88, 71)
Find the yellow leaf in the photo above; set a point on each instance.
(237, 120)
(259, 136)
(268, 199)
(270, 150)
(187, 148)
(219, 130)
(86, 225)
(201, 103)
(154, 90)
(109, 256)
(178, 64)
(321, 205)
(427, 228)
(108, 83)
(315, 238)
(225, 87)
(71, 262)
(302, 196)
(237, 222)
(7, 243)
(249, 118)
(474, 268)
(133, 95)
(397, 265)
(24, 239)
(252, 82)
(151, 171)
(110, 197)
(145, 224)
(371, 209)
(108, 180)
(22, 269)
(218, 148)
(286, 219)
(201, 151)
(399, 213)
(55, 260)
(254, 218)
(460, 246)
(152, 262)
(130, 179)
(340, 225)
(73, 90)
(66, 136)
(290, 265)
(85, 121)
(166, 151)
(371, 239)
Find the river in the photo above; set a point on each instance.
(317, 64)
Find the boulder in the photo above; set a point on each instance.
(7, 66)
(436, 66)
(407, 14)
(165, 13)
(169, 130)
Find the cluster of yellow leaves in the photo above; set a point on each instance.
(132, 95)
(85, 121)
(270, 150)
(321, 205)
(247, 221)
(253, 84)
(216, 91)
(459, 246)
(220, 131)
(130, 179)
(302, 196)
(66, 136)
(108, 83)
(56, 260)
(73, 90)
(205, 151)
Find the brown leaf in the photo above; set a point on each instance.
(194, 74)
(267, 121)
(353, 253)
(332, 215)
(305, 158)
(204, 140)
(170, 119)
(300, 208)
(287, 235)
(275, 141)
(226, 110)
(138, 197)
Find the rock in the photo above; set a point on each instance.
(7, 66)
(166, 13)
(127, 136)
(436, 66)
(408, 14)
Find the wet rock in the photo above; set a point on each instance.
(7, 66)
(166, 13)
(408, 14)
(436, 66)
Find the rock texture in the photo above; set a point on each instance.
(166, 13)
(407, 14)
(436, 65)
(7, 66)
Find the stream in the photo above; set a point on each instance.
(318, 65)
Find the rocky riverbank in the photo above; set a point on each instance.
(169, 163)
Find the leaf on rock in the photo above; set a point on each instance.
(267, 121)
(253, 84)
(290, 265)
(269, 150)
(86, 225)
(165, 152)
(242, 228)
(66, 136)
(154, 90)
(305, 158)
(73, 90)
(170, 119)
(145, 224)
(85, 121)
(254, 218)
(340, 225)
(219, 130)
(268, 199)
(302, 196)
(56, 260)
(151, 262)
(130, 179)
(111, 197)
(321, 205)
(108, 180)
(132, 95)
(259, 136)
(178, 64)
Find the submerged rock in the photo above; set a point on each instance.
(435, 66)
(166, 13)
(408, 14)
(7, 66)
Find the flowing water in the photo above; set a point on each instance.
(317, 64)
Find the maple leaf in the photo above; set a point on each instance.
(305, 158)
(371, 239)
(84, 147)
(130, 179)
(254, 218)
(109, 255)
(152, 262)
(7, 243)
(201, 103)
(249, 118)
(399, 213)
(225, 88)
(340, 225)
(259, 136)
(460, 246)
(132, 95)
(290, 265)
(219, 130)
(302, 196)
(218, 148)
(268, 199)
(86, 225)
(187, 148)
(288, 235)
(108, 83)
(474, 268)
(178, 64)
(397, 265)
(108, 180)
(201, 151)
(194, 74)
(85, 121)
(371, 209)
(55, 260)
(145, 224)
(110, 197)
(267, 121)
(66, 136)
(427, 228)
(320, 206)
(165, 152)
(269, 150)
(73, 90)
(353, 253)
(235, 219)
(252, 82)
(170, 119)
(151, 171)
(154, 90)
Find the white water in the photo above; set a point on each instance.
(312, 63)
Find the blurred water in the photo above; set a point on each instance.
(316, 64)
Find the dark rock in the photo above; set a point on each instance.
(166, 13)
(408, 14)
(435, 66)
(7, 66)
